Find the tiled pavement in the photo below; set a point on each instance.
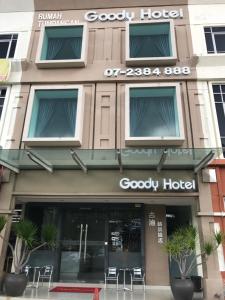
(159, 293)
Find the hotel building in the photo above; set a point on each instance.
(108, 140)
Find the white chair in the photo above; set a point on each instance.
(26, 270)
(45, 273)
(137, 275)
(112, 274)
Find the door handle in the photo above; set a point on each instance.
(85, 241)
(81, 233)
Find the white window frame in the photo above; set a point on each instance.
(62, 63)
(213, 40)
(4, 109)
(214, 113)
(10, 43)
(141, 61)
(67, 141)
(160, 140)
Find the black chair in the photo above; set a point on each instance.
(112, 274)
(137, 275)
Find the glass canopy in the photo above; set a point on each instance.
(91, 159)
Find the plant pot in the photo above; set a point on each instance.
(15, 284)
(197, 282)
(182, 289)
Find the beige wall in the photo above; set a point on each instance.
(95, 182)
(77, 4)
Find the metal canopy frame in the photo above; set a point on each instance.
(204, 161)
(36, 158)
(69, 158)
(77, 159)
(9, 166)
(119, 158)
(162, 160)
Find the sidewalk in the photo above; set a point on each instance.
(156, 293)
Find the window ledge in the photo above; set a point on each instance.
(209, 60)
(156, 141)
(52, 142)
(170, 60)
(68, 63)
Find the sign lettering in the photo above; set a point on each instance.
(166, 184)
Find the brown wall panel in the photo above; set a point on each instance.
(105, 116)
(186, 117)
(123, 46)
(116, 44)
(120, 130)
(91, 46)
(99, 44)
(108, 44)
(197, 107)
(88, 122)
(19, 110)
(182, 43)
(156, 262)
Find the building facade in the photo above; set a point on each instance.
(207, 26)
(16, 27)
(109, 141)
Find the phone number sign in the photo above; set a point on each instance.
(146, 72)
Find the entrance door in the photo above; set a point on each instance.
(125, 239)
(82, 246)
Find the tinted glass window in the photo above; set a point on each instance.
(61, 43)
(219, 97)
(215, 39)
(8, 45)
(220, 43)
(54, 113)
(150, 40)
(153, 112)
(2, 99)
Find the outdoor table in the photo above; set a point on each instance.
(124, 278)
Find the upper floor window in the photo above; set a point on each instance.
(215, 39)
(219, 97)
(153, 114)
(150, 43)
(61, 46)
(2, 99)
(54, 116)
(8, 45)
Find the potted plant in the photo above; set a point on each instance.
(25, 231)
(181, 247)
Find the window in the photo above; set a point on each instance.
(61, 46)
(2, 99)
(150, 43)
(153, 115)
(8, 45)
(215, 39)
(54, 115)
(219, 97)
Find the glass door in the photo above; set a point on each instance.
(125, 242)
(82, 246)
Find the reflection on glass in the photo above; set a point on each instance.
(125, 235)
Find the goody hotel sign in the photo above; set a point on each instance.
(165, 184)
(91, 16)
(124, 15)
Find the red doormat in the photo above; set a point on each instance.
(71, 289)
